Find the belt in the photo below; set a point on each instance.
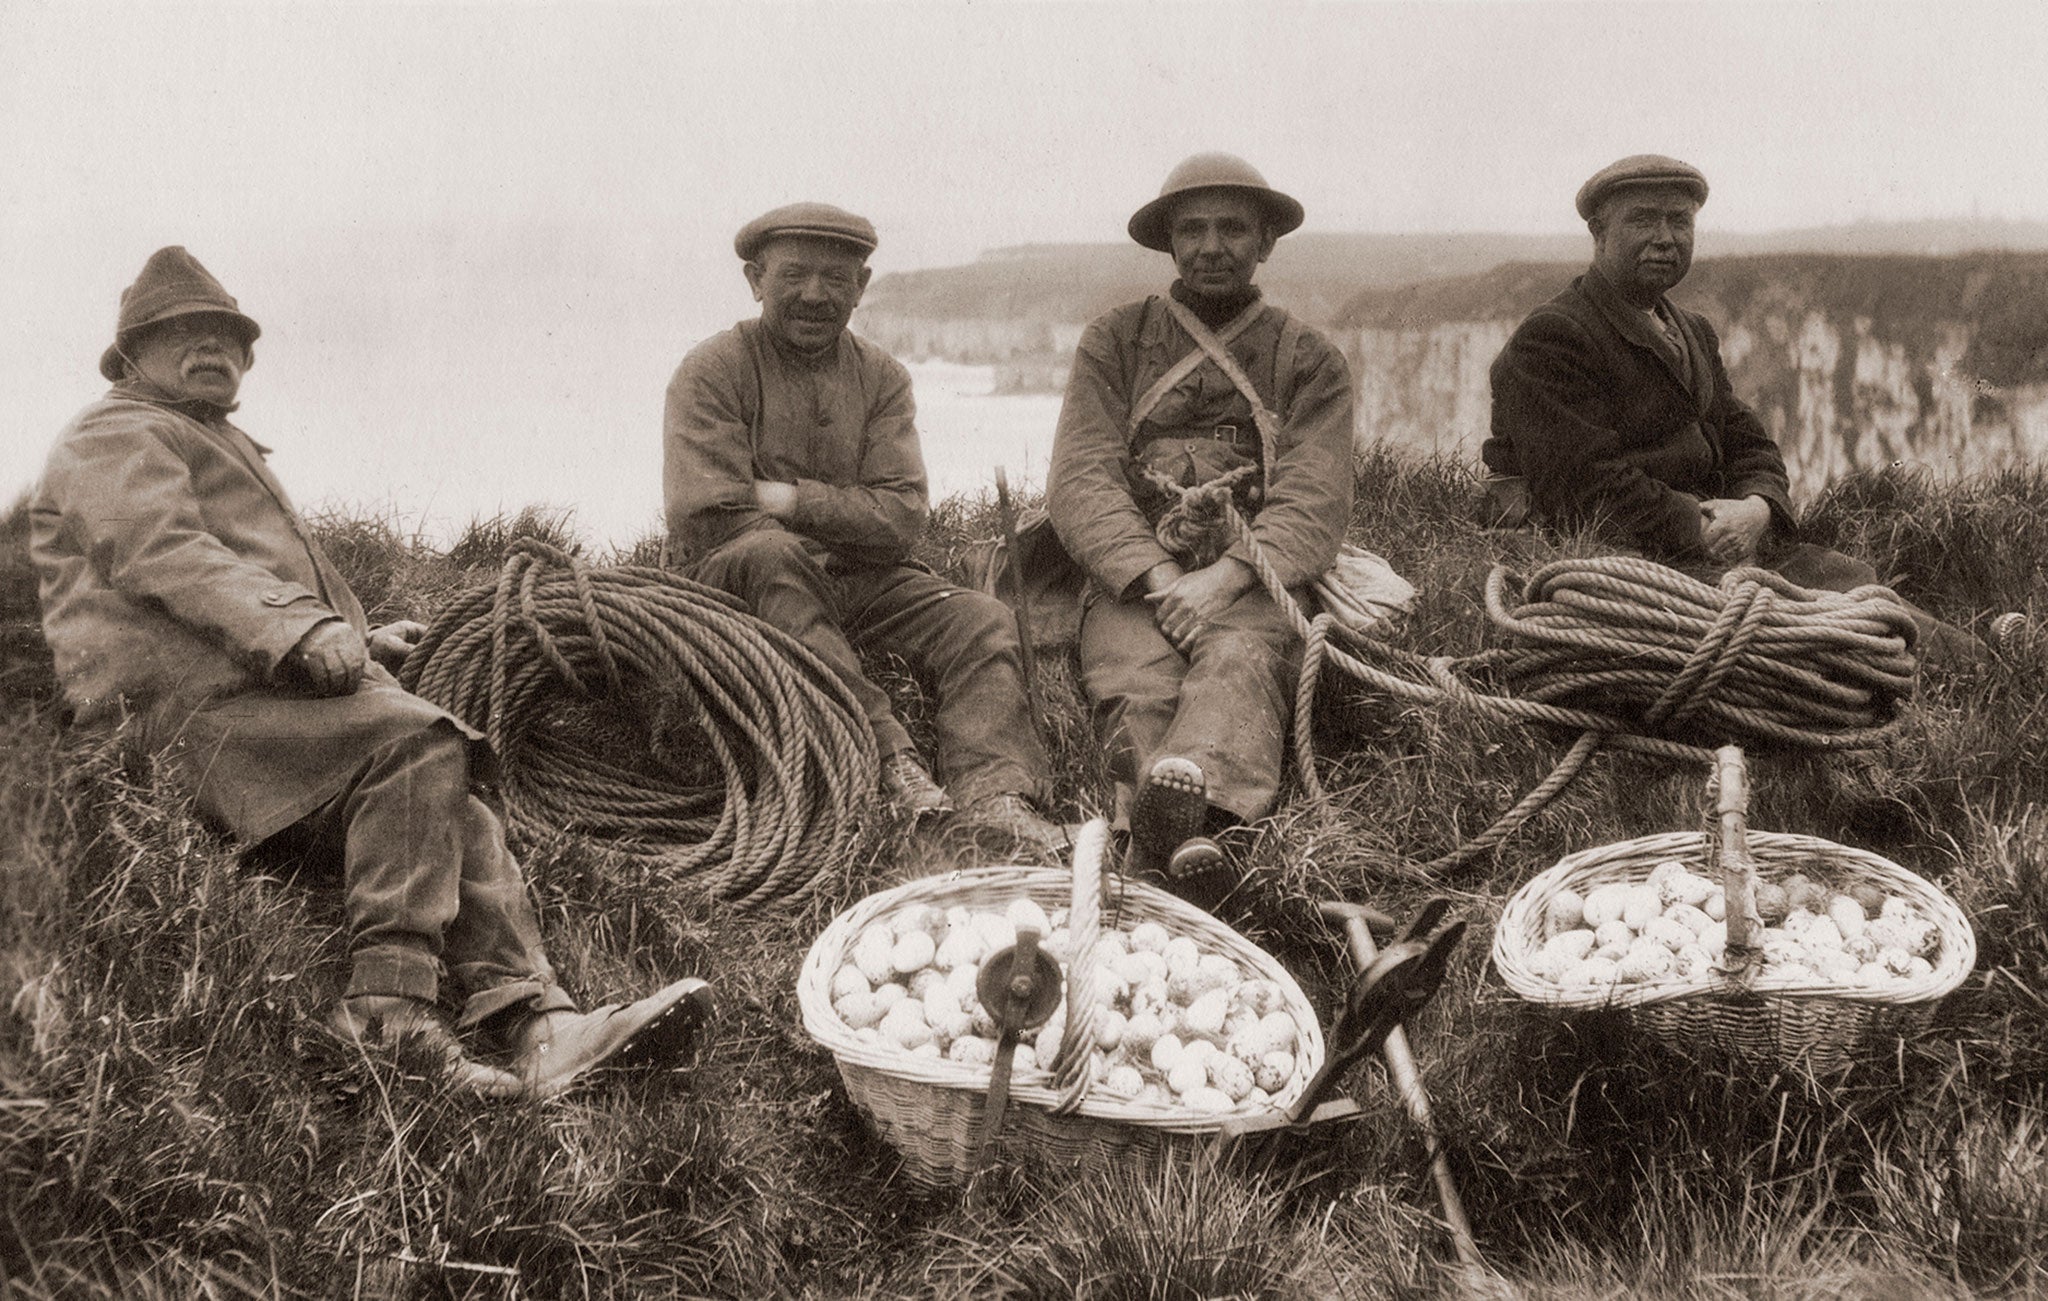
(1220, 433)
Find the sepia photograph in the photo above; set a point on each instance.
(1024, 648)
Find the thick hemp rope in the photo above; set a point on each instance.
(1633, 654)
(794, 748)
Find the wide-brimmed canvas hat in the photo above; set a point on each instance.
(1150, 225)
(172, 284)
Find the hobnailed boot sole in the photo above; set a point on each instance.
(662, 1038)
(1171, 809)
(671, 1035)
(1199, 873)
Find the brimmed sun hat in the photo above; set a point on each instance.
(172, 284)
(1150, 224)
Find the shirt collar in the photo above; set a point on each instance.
(137, 389)
(1214, 312)
(1640, 327)
(796, 360)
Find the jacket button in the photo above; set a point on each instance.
(277, 598)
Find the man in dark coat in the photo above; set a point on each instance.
(792, 478)
(1189, 662)
(1611, 403)
(182, 592)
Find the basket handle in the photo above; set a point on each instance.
(1070, 1073)
(1743, 956)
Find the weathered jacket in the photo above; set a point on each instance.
(175, 577)
(1092, 495)
(841, 426)
(1613, 430)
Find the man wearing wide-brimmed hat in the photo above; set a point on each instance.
(793, 479)
(1612, 409)
(182, 593)
(1189, 662)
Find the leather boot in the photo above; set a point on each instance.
(387, 1022)
(552, 1050)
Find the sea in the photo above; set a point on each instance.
(611, 493)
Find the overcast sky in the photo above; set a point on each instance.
(408, 189)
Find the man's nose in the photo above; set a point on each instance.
(812, 289)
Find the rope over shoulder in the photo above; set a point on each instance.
(795, 751)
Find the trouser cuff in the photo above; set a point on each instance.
(537, 994)
(1001, 778)
(891, 737)
(395, 971)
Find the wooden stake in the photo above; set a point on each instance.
(1027, 653)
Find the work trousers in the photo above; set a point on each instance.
(1818, 568)
(963, 642)
(1224, 705)
(429, 882)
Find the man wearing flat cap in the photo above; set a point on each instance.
(182, 592)
(793, 479)
(1198, 394)
(1612, 406)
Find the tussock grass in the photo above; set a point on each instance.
(174, 1123)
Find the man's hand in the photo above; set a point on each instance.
(776, 500)
(1193, 599)
(390, 644)
(1732, 531)
(330, 656)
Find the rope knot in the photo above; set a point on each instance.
(1197, 527)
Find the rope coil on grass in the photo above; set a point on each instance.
(794, 748)
(1630, 651)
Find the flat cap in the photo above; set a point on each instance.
(1639, 169)
(818, 220)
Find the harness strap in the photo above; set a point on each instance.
(1181, 369)
(1268, 423)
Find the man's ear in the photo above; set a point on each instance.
(754, 274)
(866, 273)
(1267, 239)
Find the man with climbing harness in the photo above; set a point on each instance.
(1612, 409)
(793, 479)
(1182, 409)
(184, 598)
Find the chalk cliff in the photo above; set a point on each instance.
(1852, 359)
(1851, 362)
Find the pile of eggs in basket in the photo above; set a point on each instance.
(1674, 927)
(1174, 1026)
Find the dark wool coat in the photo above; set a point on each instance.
(1615, 428)
(175, 577)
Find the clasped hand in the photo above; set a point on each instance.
(1183, 601)
(1732, 531)
(331, 656)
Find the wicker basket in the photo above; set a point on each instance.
(1777, 1019)
(930, 1109)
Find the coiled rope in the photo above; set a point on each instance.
(1635, 654)
(794, 748)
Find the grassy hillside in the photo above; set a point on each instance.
(173, 1123)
